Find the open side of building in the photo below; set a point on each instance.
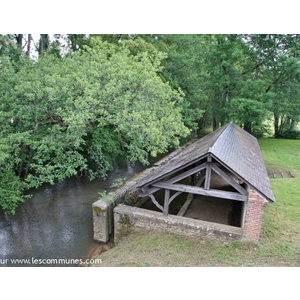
(223, 178)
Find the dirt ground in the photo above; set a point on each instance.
(210, 209)
(213, 209)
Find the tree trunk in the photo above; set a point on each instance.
(281, 126)
(200, 125)
(44, 43)
(29, 45)
(248, 127)
(22, 160)
(19, 39)
(28, 163)
(292, 124)
(215, 124)
(276, 127)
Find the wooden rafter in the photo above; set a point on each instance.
(171, 185)
(201, 191)
(174, 179)
(230, 180)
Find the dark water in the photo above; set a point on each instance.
(57, 221)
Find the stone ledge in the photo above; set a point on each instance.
(127, 218)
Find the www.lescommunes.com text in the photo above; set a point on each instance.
(49, 261)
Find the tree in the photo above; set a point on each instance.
(277, 64)
(66, 116)
(249, 114)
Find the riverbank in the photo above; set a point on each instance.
(280, 243)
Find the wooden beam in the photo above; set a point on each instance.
(230, 180)
(187, 173)
(201, 191)
(189, 199)
(185, 206)
(166, 202)
(156, 203)
(174, 196)
(207, 176)
(174, 179)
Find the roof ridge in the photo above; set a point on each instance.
(210, 149)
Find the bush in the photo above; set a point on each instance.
(11, 191)
(290, 134)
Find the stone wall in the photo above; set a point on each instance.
(254, 215)
(128, 219)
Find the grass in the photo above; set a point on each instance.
(279, 246)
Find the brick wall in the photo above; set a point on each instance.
(254, 215)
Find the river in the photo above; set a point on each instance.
(56, 223)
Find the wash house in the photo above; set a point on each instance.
(217, 186)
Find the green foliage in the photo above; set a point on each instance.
(185, 69)
(11, 190)
(249, 114)
(102, 194)
(118, 182)
(102, 151)
(290, 134)
(82, 112)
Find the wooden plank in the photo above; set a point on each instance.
(230, 180)
(207, 176)
(166, 202)
(201, 191)
(175, 179)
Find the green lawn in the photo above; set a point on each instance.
(279, 246)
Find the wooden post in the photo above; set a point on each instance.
(208, 174)
(166, 203)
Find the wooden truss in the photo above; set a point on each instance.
(172, 185)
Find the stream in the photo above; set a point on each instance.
(56, 223)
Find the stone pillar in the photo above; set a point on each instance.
(102, 212)
(254, 215)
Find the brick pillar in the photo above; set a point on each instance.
(254, 215)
